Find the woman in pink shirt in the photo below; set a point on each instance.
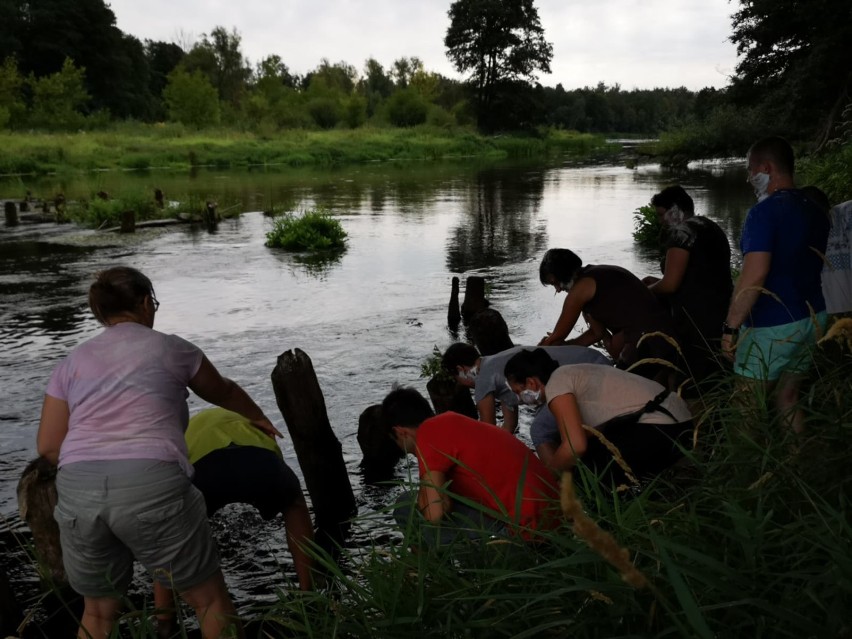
(113, 421)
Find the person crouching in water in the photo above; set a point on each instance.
(475, 478)
(648, 425)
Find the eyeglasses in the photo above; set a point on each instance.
(156, 303)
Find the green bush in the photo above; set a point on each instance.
(311, 231)
(647, 228)
(407, 108)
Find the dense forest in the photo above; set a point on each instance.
(66, 66)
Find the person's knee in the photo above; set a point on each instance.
(209, 592)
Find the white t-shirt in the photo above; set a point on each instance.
(603, 393)
(837, 271)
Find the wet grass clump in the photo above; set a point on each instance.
(315, 230)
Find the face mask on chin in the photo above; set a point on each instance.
(760, 184)
(673, 216)
(529, 397)
(470, 374)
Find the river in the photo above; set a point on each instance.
(367, 318)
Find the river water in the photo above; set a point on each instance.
(367, 318)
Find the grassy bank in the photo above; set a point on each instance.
(140, 146)
(751, 538)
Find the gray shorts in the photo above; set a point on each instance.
(112, 511)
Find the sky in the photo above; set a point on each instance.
(634, 43)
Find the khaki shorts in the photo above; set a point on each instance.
(110, 512)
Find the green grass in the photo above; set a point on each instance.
(139, 146)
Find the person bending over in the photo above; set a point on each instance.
(619, 308)
(463, 460)
(647, 424)
(484, 374)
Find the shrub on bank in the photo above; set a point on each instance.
(313, 230)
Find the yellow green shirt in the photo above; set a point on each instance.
(216, 428)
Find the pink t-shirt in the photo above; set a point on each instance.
(126, 390)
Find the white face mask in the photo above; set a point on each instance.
(760, 184)
(529, 397)
(673, 216)
(470, 374)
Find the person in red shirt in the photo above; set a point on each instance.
(470, 470)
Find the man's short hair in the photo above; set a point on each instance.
(405, 407)
(776, 150)
(459, 354)
(672, 195)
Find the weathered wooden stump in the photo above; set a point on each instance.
(453, 312)
(302, 405)
(380, 452)
(210, 216)
(60, 203)
(489, 332)
(474, 297)
(128, 222)
(11, 212)
(447, 395)
(36, 501)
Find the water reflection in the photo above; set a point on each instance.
(498, 222)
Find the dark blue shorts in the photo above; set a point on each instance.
(247, 475)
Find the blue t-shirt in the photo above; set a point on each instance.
(794, 231)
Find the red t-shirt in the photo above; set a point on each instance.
(486, 464)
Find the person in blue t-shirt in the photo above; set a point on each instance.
(777, 306)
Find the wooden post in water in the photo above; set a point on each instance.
(380, 452)
(11, 212)
(36, 501)
(474, 297)
(488, 332)
(302, 405)
(210, 216)
(453, 312)
(128, 222)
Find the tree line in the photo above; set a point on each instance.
(66, 65)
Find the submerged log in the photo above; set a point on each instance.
(380, 452)
(318, 450)
(489, 332)
(447, 395)
(474, 297)
(36, 501)
(453, 312)
(11, 212)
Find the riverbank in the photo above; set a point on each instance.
(140, 147)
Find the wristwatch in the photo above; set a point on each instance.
(729, 330)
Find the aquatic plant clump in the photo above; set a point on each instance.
(647, 226)
(315, 230)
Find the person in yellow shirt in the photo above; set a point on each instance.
(237, 463)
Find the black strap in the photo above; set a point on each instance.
(655, 405)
